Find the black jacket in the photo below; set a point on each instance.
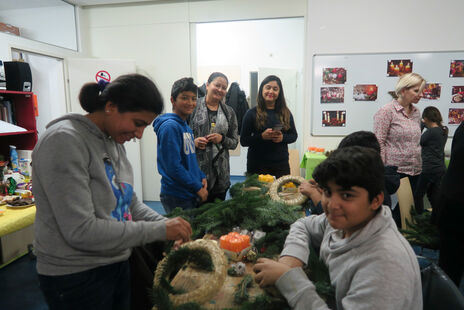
(236, 99)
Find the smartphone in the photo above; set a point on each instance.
(277, 127)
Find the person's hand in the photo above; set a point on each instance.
(214, 138)
(268, 134)
(201, 143)
(204, 182)
(311, 190)
(203, 194)
(178, 229)
(277, 136)
(291, 261)
(268, 271)
(177, 244)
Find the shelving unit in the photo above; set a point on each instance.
(23, 107)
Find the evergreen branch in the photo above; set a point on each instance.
(241, 294)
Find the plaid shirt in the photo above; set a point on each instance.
(399, 136)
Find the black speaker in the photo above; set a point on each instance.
(18, 76)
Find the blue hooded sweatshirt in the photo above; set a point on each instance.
(177, 161)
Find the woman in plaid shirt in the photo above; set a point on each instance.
(397, 127)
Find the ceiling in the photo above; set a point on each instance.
(29, 4)
(103, 2)
(25, 4)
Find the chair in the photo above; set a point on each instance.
(438, 291)
(405, 201)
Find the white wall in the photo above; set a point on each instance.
(247, 46)
(157, 37)
(363, 26)
(54, 25)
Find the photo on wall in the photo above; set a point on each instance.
(365, 92)
(457, 94)
(332, 94)
(334, 118)
(455, 116)
(457, 68)
(334, 75)
(399, 67)
(432, 91)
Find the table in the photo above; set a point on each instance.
(16, 232)
(310, 161)
(15, 219)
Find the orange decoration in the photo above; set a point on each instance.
(234, 242)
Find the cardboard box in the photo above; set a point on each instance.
(7, 28)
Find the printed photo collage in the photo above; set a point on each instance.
(368, 92)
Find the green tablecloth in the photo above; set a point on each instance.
(310, 161)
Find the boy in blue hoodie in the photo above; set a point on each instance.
(183, 184)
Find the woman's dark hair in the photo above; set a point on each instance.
(130, 93)
(434, 115)
(361, 138)
(215, 75)
(280, 105)
(181, 85)
(352, 166)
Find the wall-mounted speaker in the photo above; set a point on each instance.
(18, 76)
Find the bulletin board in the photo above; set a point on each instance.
(348, 89)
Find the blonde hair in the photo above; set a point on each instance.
(409, 80)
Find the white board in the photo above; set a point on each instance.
(372, 69)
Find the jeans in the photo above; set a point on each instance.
(428, 183)
(102, 288)
(171, 202)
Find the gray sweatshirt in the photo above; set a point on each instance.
(83, 220)
(375, 268)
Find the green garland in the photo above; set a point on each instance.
(253, 210)
(420, 231)
(249, 210)
(241, 293)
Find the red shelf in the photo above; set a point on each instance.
(17, 133)
(25, 117)
(14, 92)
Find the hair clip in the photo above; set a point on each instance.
(102, 84)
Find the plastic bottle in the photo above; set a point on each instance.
(14, 158)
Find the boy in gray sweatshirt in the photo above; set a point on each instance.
(370, 264)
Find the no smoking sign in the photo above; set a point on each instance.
(103, 75)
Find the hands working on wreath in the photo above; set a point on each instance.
(268, 271)
(311, 190)
(179, 230)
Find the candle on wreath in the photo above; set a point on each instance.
(234, 242)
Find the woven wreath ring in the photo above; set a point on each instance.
(209, 288)
(273, 190)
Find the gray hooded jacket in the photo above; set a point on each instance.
(82, 222)
(375, 268)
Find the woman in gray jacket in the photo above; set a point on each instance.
(214, 126)
(88, 215)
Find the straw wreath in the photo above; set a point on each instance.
(277, 184)
(210, 286)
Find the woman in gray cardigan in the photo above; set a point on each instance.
(215, 128)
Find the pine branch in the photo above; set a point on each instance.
(241, 294)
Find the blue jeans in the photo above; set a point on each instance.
(102, 288)
(171, 202)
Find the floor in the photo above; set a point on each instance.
(19, 284)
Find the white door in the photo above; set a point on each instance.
(84, 70)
